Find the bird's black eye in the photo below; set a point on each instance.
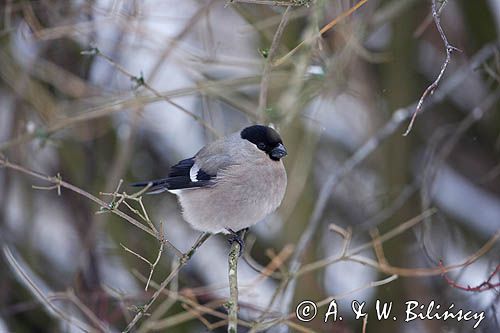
(261, 146)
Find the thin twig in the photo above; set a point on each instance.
(59, 182)
(449, 50)
(266, 73)
(325, 28)
(140, 81)
(184, 260)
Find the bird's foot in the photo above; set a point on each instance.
(237, 237)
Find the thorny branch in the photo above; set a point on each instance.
(486, 285)
(436, 14)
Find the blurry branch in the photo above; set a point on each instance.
(324, 302)
(327, 27)
(141, 82)
(495, 74)
(124, 152)
(120, 104)
(264, 85)
(449, 50)
(383, 266)
(182, 262)
(170, 47)
(61, 183)
(183, 317)
(36, 288)
(70, 296)
(420, 272)
(389, 211)
(395, 272)
(27, 89)
(269, 22)
(390, 10)
(346, 235)
(296, 3)
(7, 15)
(486, 285)
(345, 253)
(326, 190)
(276, 263)
(438, 153)
(62, 79)
(153, 321)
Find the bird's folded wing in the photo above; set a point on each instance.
(195, 172)
(184, 175)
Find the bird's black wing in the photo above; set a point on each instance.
(181, 176)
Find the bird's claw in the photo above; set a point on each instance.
(237, 237)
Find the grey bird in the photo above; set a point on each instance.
(231, 183)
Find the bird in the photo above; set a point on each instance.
(231, 183)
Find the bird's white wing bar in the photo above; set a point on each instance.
(193, 173)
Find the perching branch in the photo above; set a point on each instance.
(232, 304)
(436, 14)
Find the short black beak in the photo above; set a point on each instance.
(278, 152)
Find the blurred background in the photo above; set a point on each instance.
(95, 91)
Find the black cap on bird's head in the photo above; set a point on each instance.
(266, 139)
